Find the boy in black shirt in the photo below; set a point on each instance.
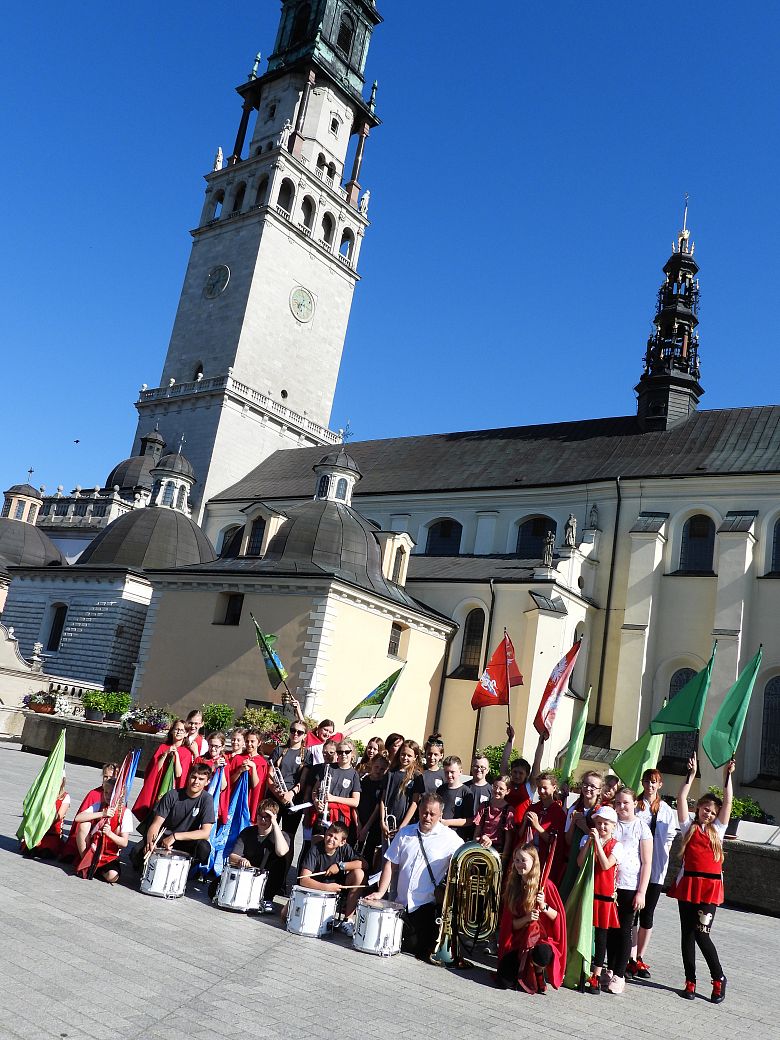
(265, 847)
(458, 800)
(331, 865)
(185, 817)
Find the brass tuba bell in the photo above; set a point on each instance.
(472, 896)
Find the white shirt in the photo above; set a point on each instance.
(415, 887)
(665, 830)
(630, 866)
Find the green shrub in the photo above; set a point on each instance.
(493, 754)
(359, 747)
(743, 808)
(217, 717)
(116, 703)
(267, 721)
(93, 700)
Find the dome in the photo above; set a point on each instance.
(25, 489)
(24, 545)
(152, 537)
(132, 473)
(176, 463)
(339, 459)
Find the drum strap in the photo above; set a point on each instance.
(427, 861)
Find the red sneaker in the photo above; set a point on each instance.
(689, 992)
(593, 985)
(642, 970)
(718, 990)
(631, 968)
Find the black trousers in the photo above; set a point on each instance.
(277, 874)
(199, 850)
(421, 931)
(509, 966)
(696, 921)
(619, 939)
(599, 947)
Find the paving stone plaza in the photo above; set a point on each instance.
(84, 961)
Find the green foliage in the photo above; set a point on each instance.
(272, 724)
(217, 717)
(493, 754)
(743, 808)
(93, 700)
(116, 703)
(359, 747)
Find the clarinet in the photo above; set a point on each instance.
(324, 792)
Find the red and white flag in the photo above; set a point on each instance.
(500, 675)
(553, 692)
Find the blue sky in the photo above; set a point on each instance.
(526, 187)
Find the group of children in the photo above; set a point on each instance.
(351, 812)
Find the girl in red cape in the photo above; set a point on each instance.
(52, 843)
(76, 845)
(532, 933)
(257, 766)
(176, 747)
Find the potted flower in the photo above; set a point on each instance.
(115, 705)
(94, 703)
(274, 727)
(149, 719)
(42, 703)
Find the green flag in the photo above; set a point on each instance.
(168, 779)
(579, 924)
(684, 711)
(39, 805)
(275, 670)
(576, 741)
(642, 755)
(377, 702)
(721, 739)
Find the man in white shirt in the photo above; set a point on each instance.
(416, 862)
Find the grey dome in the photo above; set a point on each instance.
(24, 545)
(132, 473)
(176, 463)
(339, 459)
(25, 489)
(152, 537)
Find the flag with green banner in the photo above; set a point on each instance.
(643, 754)
(576, 741)
(39, 805)
(277, 674)
(377, 702)
(579, 924)
(683, 713)
(722, 738)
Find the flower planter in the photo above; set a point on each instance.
(93, 715)
(42, 709)
(113, 716)
(143, 727)
(267, 747)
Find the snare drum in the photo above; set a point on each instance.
(166, 874)
(311, 912)
(378, 927)
(241, 888)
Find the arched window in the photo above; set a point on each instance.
(347, 244)
(774, 567)
(231, 543)
(346, 35)
(300, 24)
(238, 198)
(255, 543)
(398, 564)
(341, 489)
(328, 228)
(531, 535)
(698, 545)
(331, 172)
(770, 731)
(471, 647)
(679, 746)
(198, 370)
(181, 498)
(260, 194)
(323, 486)
(322, 162)
(307, 212)
(60, 612)
(286, 195)
(219, 200)
(444, 538)
(168, 493)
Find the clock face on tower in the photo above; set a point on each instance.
(216, 281)
(302, 304)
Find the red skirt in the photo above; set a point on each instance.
(605, 912)
(698, 888)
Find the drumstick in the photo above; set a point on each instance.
(147, 855)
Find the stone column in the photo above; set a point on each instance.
(353, 187)
(238, 147)
(297, 138)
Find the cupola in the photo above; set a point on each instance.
(337, 474)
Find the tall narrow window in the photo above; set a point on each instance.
(286, 195)
(770, 731)
(168, 493)
(307, 212)
(679, 746)
(698, 545)
(531, 535)
(394, 646)
(57, 626)
(181, 498)
(444, 538)
(238, 198)
(775, 565)
(19, 511)
(323, 486)
(32, 513)
(300, 24)
(341, 489)
(233, 608)
(328, 229)
(255, 543)
(398, 564)
(7, 507)
(231, 543)
(471, 648)
(346, 35)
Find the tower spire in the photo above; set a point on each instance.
(669, 390)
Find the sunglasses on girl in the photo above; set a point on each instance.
(298, 732)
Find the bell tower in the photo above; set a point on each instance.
(259, 332)
(669, 390)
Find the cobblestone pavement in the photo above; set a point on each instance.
(81, 960)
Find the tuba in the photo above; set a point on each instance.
(472, 894)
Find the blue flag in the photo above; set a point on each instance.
(215, 790)
(237, 820)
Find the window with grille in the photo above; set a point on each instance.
(531, 535)
(444, 538)
(231, 543)
(32, 513)
(394, 646)
(19, 511)
(471, 648)
(398, 563)
(80, 509)
(341, 489)
(323, 486)
(346, 35)
(7, 507)
(61, 509)
(770, 731)
(57, 626)
(99, 509)
(775, 565)
(698, 545)
(679, 746)
(255, 543)
(168, 493)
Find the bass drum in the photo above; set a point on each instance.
(311, 912)
(241, 888)
(378, 927)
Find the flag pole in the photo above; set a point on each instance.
(289, 698)
(508, 687)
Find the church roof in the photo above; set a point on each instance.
(470, 568)
(152, 537)
(132, 473)
(719, 441)
(24, 489)
(24, 545)
(176, 463)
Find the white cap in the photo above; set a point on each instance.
(606, 812)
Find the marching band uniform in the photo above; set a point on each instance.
(512, 944)
(153, 777)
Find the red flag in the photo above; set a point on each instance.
(501, 674)
(553, 692)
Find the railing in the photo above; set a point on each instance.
(345, 259)
(306, 230)
(284, 212)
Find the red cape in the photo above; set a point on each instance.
(257, 794)
(552, 932)
(148, 797)
(70, 851)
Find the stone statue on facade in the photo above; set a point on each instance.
(284, 136)
(549, 549)
(593, 519)
(570, 532)
(364, 203)
(36, 661)
(219, 160)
